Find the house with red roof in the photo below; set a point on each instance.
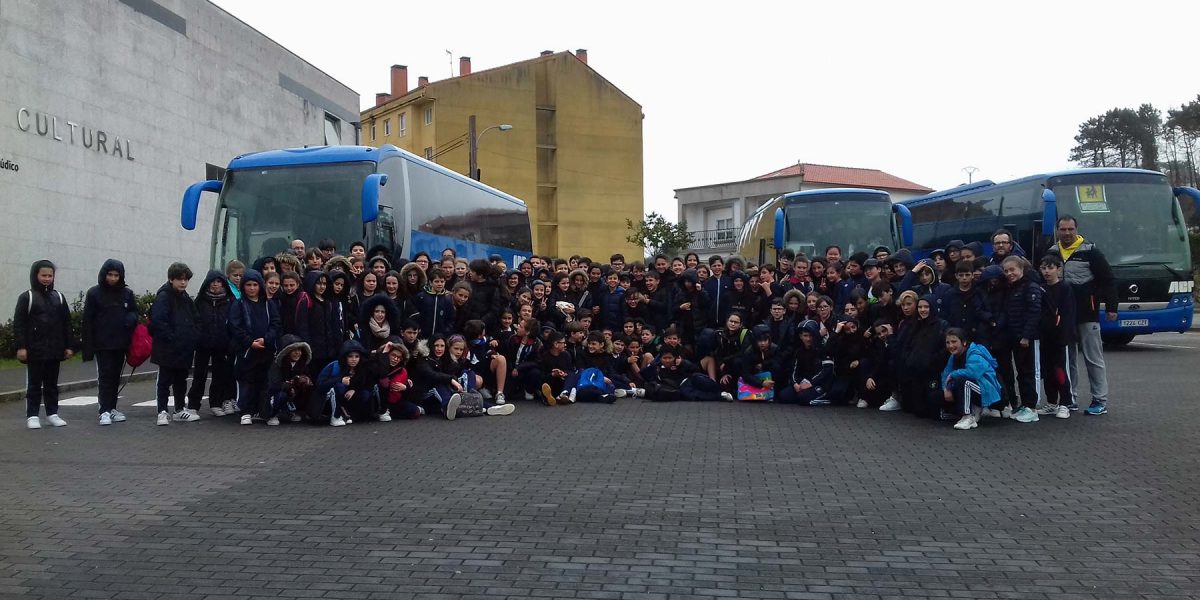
(715, 213)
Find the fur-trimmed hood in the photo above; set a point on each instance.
(338, 262)
(290, 343)
(412, 290)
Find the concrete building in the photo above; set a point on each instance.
(716, 213)
(111, 108)
(573, 154)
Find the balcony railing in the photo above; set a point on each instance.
(714, 238)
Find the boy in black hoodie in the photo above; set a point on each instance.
(556, 366)
(175, 327)
(1058, 332)
(42, 335)
(253, 329)
(109, 316)
(212, 306)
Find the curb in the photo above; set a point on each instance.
(15, 395)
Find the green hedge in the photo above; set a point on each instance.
(8, 347)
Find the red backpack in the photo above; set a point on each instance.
(140, 346)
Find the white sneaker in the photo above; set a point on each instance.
(639, 392)
(230, 407)
(56, 420)
(992, 412)
(1048, 409)
(1025, 415)
(105, 418)
(33, 423)
(1064, 412)
(452, 406)
(1006, 412)
(891, 405)
(571, 396)
(726, 396)
(336, 422)
(273, 421)
(500, 398)
(501, 410)
(967, 422)
(385, 418)
(187, 415)
(164, 418)
(247, 420)
(295, 418)
(528, 396)
(217, 411)
(862, 403)
(117, 416)
(620, 392)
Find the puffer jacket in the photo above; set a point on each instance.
(42, 320)
(1091, 280)
(1023, 311)
(214, 314)
(175, 327)
(979, 367)
(109, 313)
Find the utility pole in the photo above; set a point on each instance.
(473, 147)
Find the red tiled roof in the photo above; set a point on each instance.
(848, 176)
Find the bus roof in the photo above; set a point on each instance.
(795, 197)
(321, 155)
(979, 185)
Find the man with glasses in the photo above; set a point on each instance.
(1002, 246)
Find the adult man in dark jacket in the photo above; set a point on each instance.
(1091, 280)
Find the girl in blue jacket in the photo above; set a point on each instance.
(969, 381)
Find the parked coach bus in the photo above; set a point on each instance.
(1133, 216)
(383, 196)
(853, 218)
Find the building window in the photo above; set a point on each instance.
(333, 130)
(725, 229)
(429, 116)
(372, 132)
(403, 122)
(429, 153)
(387, 127)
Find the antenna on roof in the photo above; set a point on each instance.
(451, 57)
(970, 171)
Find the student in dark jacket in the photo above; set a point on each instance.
(292, 302)
(253, 333)
(486, 301)
(609, 298)
(811, 372)
(343, 322)
(175, 326)
(317, 328)
(1022, 317)
(289, 386)
(433, 387)
(556, 366)
(964, 306)
(1058, 332)
(435, 306)
(761, 357)
(522, 351)
(848, 348)
(928, 284)
(212, 349)
(878, 380)
(657, 301)
(109, 316)
(42, 335)
(353, 388)
(379, 319)
(692, 308)
(671, 377)
(922, 360)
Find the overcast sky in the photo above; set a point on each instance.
(917, 89)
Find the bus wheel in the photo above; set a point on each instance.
(1118, 339)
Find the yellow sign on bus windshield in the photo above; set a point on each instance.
(1091, 198)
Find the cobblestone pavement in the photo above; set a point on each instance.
(635, 500)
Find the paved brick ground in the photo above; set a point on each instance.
(636, 500)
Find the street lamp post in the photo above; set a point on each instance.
(473, 150)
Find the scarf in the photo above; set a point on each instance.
(381, 331)
(1067, 251)
(216, 297)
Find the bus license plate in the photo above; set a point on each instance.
(1135, 322)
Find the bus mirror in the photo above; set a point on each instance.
(191, 201)
(906, 224)
(370, 196)
(779, 230)
(1049, 211)
(1191, 193)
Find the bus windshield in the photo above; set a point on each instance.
(262, 210)
(854, 224)
(1133, 219)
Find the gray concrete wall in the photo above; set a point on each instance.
(181, 83)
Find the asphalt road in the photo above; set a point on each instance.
(634, 500)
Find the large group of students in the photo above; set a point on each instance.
(313, 336)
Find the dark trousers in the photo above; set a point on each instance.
(1029, 371)
(966, 394)
(223, 387)
(41, 386)
(877, 396)
(529, 377)
(108, 377)
(1055, 378)
(252, 393)
(1003, 354)
(171, 379)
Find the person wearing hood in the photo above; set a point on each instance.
(692, 308)
(109, 316)
(412, 281)
(952, 252)
(759, 364)
(318, 327)
(294, 304)
(342, 322)
(212, 349)
(921, 360)
(379, 319)
(847, 347)
(969, 383)
(347, 386)
(971, 251)
(929, 284)
(379, 265)
(253, 330)
(903, 278)
(337, 263)
(175, 327)
(811, 370)
(289, 386)
(42, 335)
(394, 384)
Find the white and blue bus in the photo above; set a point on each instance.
(1134, 216)
(382, 196)
(855, 219)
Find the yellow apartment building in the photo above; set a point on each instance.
(573, 153)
